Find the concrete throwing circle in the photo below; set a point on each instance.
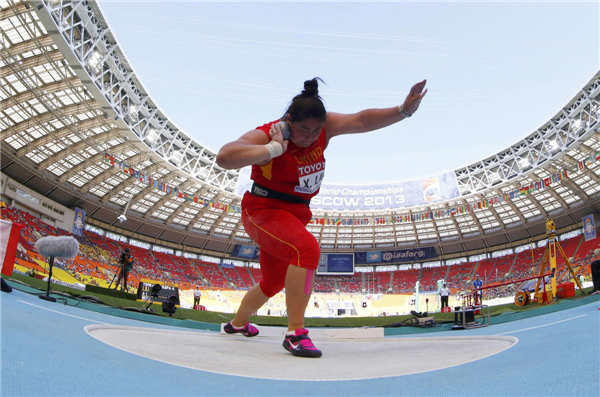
(343, 359)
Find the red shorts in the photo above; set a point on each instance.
(279, 228)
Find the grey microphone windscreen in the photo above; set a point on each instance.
(59, 247)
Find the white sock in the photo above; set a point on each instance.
(236, 328)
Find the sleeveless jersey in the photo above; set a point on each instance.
(298, 171)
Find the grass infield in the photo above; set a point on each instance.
(217, 317)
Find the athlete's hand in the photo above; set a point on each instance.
(416, 94)
(277, 136)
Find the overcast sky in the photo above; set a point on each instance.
(496, 71)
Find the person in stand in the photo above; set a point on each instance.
(444, 295)
(126, 262)
(478, 294)
(197, 295)
(287, 173)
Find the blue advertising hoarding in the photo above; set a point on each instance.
(336, 265)
(246, 251)
(405, 255)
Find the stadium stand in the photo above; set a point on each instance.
(96, 264)
(47, 172)
(233, 277)
(244, 275)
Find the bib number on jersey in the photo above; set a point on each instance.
(310, 177)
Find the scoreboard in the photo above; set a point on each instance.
(336, 265)
(145, 289)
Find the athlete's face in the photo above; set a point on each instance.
(305, 132)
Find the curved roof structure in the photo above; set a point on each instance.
(79, 127)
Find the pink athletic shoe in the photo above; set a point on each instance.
(249, 330)
(299, 344)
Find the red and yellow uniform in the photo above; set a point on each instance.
(279, 226)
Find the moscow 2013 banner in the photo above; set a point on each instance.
(384, 196)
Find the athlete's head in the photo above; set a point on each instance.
(306, 114)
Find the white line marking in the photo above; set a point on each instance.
(64, 314)
(545, 325)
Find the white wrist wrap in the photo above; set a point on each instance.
(275, 149)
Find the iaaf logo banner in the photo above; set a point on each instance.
(407, 255)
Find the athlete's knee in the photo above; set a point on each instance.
(310, 252)
(271, 289)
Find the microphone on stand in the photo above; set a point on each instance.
(51, 247)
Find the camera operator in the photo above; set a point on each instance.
(126, 262)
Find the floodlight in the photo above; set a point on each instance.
(524, 162)
(94, 59)
(152, 136)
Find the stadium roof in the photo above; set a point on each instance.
(80, 128)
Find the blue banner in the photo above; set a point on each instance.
(78, 222)
(589, 227)
(246, 251)
(336, 264)
(406, 255)
(374, 257)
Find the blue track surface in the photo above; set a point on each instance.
(46, 352)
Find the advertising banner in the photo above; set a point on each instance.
(336, 264)
(246, 251)
(384, 196)
(589, 227)
(78, 222)
(406, 255)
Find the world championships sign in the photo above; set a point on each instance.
(385, 196)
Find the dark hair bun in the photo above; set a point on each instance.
(311, 87)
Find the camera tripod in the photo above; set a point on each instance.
(113, 279)
(150, 301)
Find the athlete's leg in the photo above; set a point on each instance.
(253, 300)
(281, 235)
(273, 280)
(296, 297)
